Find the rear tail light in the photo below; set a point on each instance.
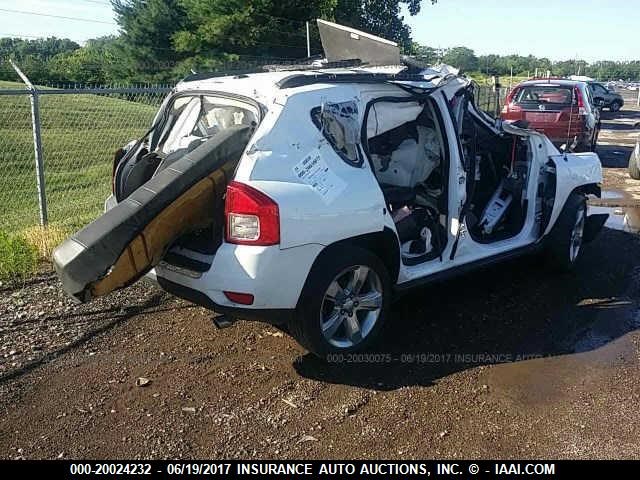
(580, 102)
(252, 218)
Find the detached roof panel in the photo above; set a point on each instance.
(343, 43)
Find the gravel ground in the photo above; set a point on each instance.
(38, 321)
(508, 362)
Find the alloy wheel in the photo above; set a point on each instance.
(576, 235)
(351, 306)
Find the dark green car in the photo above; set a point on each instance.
(610, 99)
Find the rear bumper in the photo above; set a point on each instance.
(272, 316)
(273, 276)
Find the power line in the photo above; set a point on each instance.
(24, 12)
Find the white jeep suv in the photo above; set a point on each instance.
(350, 187)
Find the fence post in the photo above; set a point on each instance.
(37, 144)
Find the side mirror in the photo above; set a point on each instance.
(599, 102)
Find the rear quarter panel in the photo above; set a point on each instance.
(355, 204)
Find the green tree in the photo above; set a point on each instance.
(145, 46)
(96, 63)
(380, 17)
(461, 57)
(247, 28)
(32, 56)
(425, 54)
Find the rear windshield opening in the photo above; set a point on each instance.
(547, 94)
(193, 119)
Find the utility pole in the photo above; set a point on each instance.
(308, 42)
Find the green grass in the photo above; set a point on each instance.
(17, 257)
(80, 133)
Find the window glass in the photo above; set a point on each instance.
(545, 94)
(600, 89)
(340, 125)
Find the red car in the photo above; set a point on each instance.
(561, 109)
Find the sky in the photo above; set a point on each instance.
(556, 29)
(28, 26)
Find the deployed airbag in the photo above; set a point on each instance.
(127, 241)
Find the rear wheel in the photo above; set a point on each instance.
(344, 303)
(566, 238)
(615, 106)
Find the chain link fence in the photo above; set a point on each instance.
(490, 99)
(56, 151)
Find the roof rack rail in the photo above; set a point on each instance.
(194, 77)
(316, 65)
(302, 80)
(549, 78)
(277, 67)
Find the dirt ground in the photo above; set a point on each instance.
(508, 362)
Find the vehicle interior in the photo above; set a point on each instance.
(409, 156)
(189, 123)
(497, 180)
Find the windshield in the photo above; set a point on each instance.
(192, 119)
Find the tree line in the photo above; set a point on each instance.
(519, 65)
(160, 41)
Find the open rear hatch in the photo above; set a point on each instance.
(130, 239)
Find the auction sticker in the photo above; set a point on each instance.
(314, 171)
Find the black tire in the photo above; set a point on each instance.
(313, 307)
(634, 163)
(615, 106)
(564, 244)
(594, 143)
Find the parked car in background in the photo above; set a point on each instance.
(563, 110)
(610, 98)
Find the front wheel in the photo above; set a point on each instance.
(566, 237)
(615, 106)
(344, 303)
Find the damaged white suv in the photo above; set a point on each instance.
(312, 198)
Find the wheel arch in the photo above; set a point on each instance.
(586, 189)
(383, 244)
